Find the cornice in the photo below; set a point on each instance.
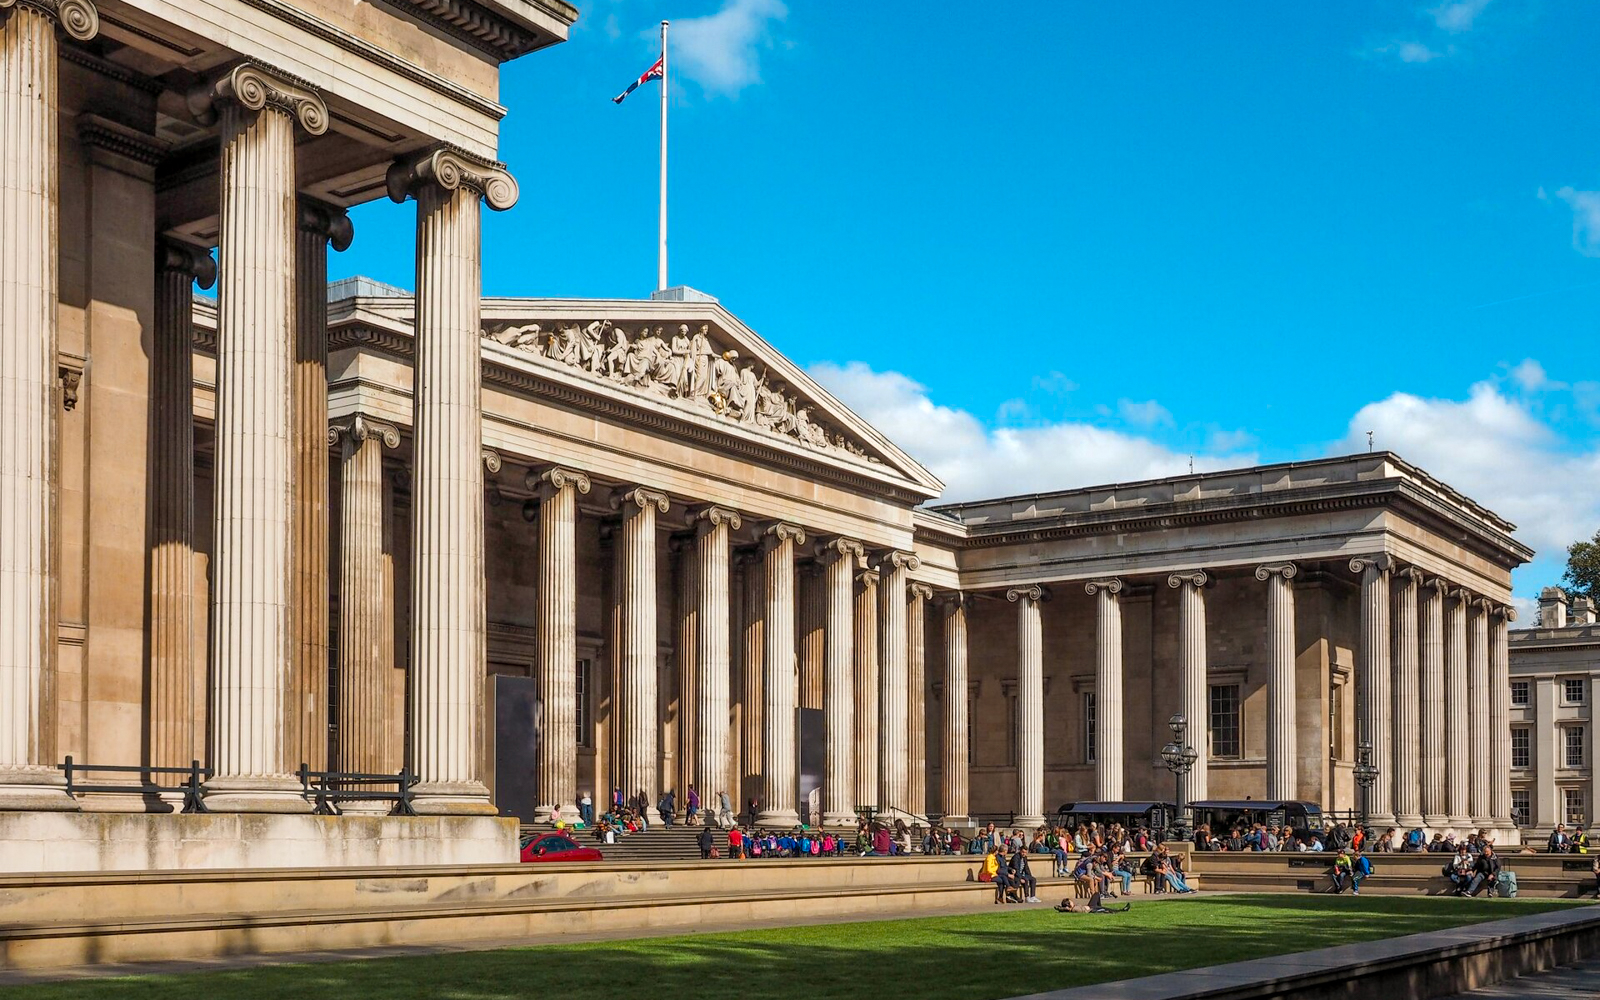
(480, 27)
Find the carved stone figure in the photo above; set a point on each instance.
(700, 353)
(590, 350)
(616, 357)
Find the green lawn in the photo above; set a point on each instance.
(975, 957)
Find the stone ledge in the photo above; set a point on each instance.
(1417, 966)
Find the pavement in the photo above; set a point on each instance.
(1569, 982)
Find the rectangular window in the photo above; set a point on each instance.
(972, 716)
(1519, 692)
(1520, 813)
(1519, 746)
(1089, 734)
(585, 710)
(1225, 727)
(1011, 730)
(1572, 691)
(1572, 806)
(1574, 744)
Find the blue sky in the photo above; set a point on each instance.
(1080, 242)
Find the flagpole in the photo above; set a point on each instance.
(661, 276)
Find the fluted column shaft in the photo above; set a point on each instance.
(839, 560)
(1108, 688)
(1458, 800)
(1435, 806)
(29, 193)
(711, 735)
(1500, 717)
(894, 790)
(1282, 752)
(866, 689)
(917, 693)
(1405, 760)
(1480, 779)
(752, 697)
(953, 772)
(680, 694)
(782, 679)
(557, 625)
(1372, 680)
(1192, 666)
(637, 760)
(1030, 706)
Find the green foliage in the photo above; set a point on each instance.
(1583, 568)
(1003, 953)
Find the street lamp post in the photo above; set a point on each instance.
(1179, 758)
(1366, 773)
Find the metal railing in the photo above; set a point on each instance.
(328, 789)
(193, 801)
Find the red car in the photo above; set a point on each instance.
(557, 847)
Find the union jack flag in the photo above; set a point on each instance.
(653, 73)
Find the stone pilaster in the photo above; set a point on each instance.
(1434, 804)
(1192, 684)
(557, 490)
(894, 572)
(637, 760)
(1456, 741)
(1372, 679)
(1405, 760)
(917, 691)
(680, 678)
(177, 685)
(1282, 754)
(953, 771)
(752, 687)
(1030, 705)
(713, 525)
(447, 585)
(839, 558)
(1480, 779)
(366, 623)
(252, 563)
(30, 187)
(866, 689)
(1108, 688)
(305, 716)
(1500, 619)
(781, 758)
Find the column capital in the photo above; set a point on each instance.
(1193, 578)
(1287, 570)
(451, 168)
(712, 516)
(547, 482)
(1112, 586)
(1505, 611)
(1031, 593)
(893, 559)
(1461, 594)
(491, 460)
(184, 258)
(359, 428)
(839, 548)
(1379, 563)
(918, 589)
(257, 87)
(780, 532)
(639, 497)
(78, 18)
(1435, 583)
(868, 577)
(330, 222)
(951, 601)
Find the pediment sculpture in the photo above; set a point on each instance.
(685, 365)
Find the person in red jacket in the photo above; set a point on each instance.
(735, 842)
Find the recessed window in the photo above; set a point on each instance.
(585, 710)
(1519, 746)
(1574, 745)
(1519, 693)
(1521, 815)
(1088, 728)
(972, 715)
(1572, 691)
(1225, 726)
(1012, 730)
(1573, 806)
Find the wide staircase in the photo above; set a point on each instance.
(659, 843)
(1540, 875)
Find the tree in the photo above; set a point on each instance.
(1583, 567)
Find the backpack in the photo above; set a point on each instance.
(1414, 839)
(1505, 884)
(1364, 866)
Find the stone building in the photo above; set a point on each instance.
(525, 547)
(1555, 679)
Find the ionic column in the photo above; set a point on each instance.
(447, 586)
(1479, 696)
(1192, 676)
(954, 745)
(1455, 708)
(177, 687)
(1434, 804)
(680, 678)
(305, 717)
(712, 528)
(1030, 705)
(1500, 619)
(894, 571)
(782, 679)
(252, 564)
(366, 630)
(1372, 679)
(1406, 755)
(637, 761)
(839, 558)
(1108, 688)
(1282, 753)
(556, 491)
(866, 689)
(917, 691)
(752, 688)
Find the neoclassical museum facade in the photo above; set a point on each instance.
(524, 548)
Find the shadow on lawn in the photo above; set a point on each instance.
(1003, 954)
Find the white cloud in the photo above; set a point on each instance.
(1451, 18)
(722, 52)
(1416, 52)
(1585, 207)
(1458, 15)
(1530, 376)
(1146, 414)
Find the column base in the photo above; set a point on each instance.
(1483, 822)
(1408, 823)
(784, 818)
(952, 822)
(452, 798)
(1462, 824)
(376, 808)
(259, 793)
(1382, 821)
(1435, 821)
(837, 820)
(1027, 822)
(35, 789)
